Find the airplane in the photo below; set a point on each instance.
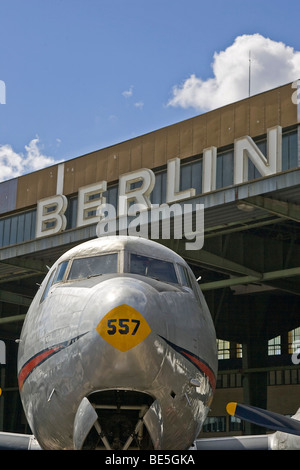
(118, 352)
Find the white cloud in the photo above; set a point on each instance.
(128, 93)
(13, 164)
(139, 104)
(272, 64)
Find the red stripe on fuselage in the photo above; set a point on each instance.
(39, 358)
(34, 362)
(201, 365)
(207, 371)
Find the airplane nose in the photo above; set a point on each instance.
(123, 318)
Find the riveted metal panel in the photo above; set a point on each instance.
(89, 169)
(112, 165)
(272, 108)
(85, 168)
(123, 155)
(173, 142)
(213, 128)
(79, 172)
(160, 148)
(257, 115)
(199, 134)
(148, 151)
(185, 140)
(227, 126)
(102, 164)
(136, 154)
(288, 109)
(69, 177)
(241, 119)
(35, 186)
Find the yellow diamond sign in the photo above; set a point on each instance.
(123, 327)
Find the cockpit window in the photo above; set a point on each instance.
(184, 276)
(49, 284)
(151, 267)
(60, 271)
(56, 276)
(93, 266)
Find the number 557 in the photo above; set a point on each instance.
(123, 326)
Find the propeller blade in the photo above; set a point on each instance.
(264, 418)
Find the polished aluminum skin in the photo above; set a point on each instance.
(118, 360)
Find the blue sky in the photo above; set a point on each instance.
(81, 75)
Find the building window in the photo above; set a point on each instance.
(235, 424)
(274, 346)
(239, 351)
(229, 380)
(229, 350)
(223, 349)
(284, 377)
(294, 340)
(215, 424)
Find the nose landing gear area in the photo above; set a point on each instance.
(115, 421)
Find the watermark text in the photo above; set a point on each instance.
(163, 221)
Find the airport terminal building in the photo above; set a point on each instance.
(241, 164)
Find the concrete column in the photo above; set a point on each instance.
(255, 355)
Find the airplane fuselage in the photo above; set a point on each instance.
(133, 338)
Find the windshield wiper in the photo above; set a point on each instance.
(95, 275)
